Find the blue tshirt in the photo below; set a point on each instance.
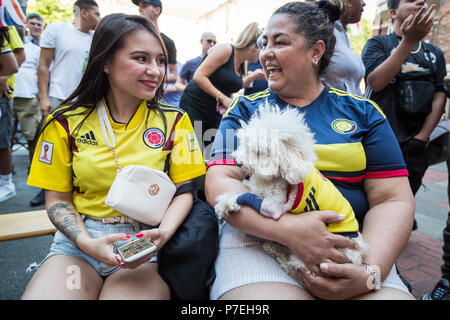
(187, 73)
(172, 98)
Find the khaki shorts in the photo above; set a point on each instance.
(26, 111)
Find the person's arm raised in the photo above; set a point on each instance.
(414, 29)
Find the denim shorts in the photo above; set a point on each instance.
(63, 246)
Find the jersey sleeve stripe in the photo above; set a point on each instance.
(226, 162)
(298, 196)
(347, 179)
(387, 174)
(169, 143)
(71, 140)
(344, 93)
(258, 95)
(169, 107)
(231, 106)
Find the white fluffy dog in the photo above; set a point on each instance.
(276, 151)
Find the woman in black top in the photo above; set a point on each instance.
(220, 74)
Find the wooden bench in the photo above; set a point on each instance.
(36, 223)
(25, 224)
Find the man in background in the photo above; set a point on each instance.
(152, 9)
(405, 76)
(25, 104)
(66, 45)
(207, 40)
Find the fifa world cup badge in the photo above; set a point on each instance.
(46, 153)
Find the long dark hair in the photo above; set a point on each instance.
(315, 22)
(108, 38)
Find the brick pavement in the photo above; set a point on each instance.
(421, 260)
(420, 263)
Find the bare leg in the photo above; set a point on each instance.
(267, 291)
(5, 161)
(143, 282)
(385, 293)
(64, 277)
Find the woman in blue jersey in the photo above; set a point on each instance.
(357, 151)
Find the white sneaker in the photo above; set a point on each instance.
(7, 191)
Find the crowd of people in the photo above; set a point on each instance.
(372, 117)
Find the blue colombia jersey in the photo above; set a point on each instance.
(354, 140)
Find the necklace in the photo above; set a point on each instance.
(418, 48)
(413, 51)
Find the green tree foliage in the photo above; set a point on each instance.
(358, 41)
(52, 10)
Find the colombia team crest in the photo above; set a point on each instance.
(154, 138)
(343, 126)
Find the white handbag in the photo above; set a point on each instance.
(139, 192)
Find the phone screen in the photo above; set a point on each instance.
(135, 247)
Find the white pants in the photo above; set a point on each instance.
(242, 261)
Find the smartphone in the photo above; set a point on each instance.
(136, 249)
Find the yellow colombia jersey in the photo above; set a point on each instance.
(318, 193)
(73, 158)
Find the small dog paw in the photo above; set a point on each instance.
(226, 204)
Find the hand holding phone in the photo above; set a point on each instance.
(136, 249)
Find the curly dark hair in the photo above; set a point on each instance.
(315, 22)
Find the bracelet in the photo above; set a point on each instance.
(376, 283)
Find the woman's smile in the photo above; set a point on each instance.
(152, 84)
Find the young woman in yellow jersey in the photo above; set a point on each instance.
(72, 162)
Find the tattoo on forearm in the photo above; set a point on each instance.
(66, 219)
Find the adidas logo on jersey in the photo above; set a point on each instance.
(88, 138)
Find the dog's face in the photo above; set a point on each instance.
(257, 152)
(276, 144)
